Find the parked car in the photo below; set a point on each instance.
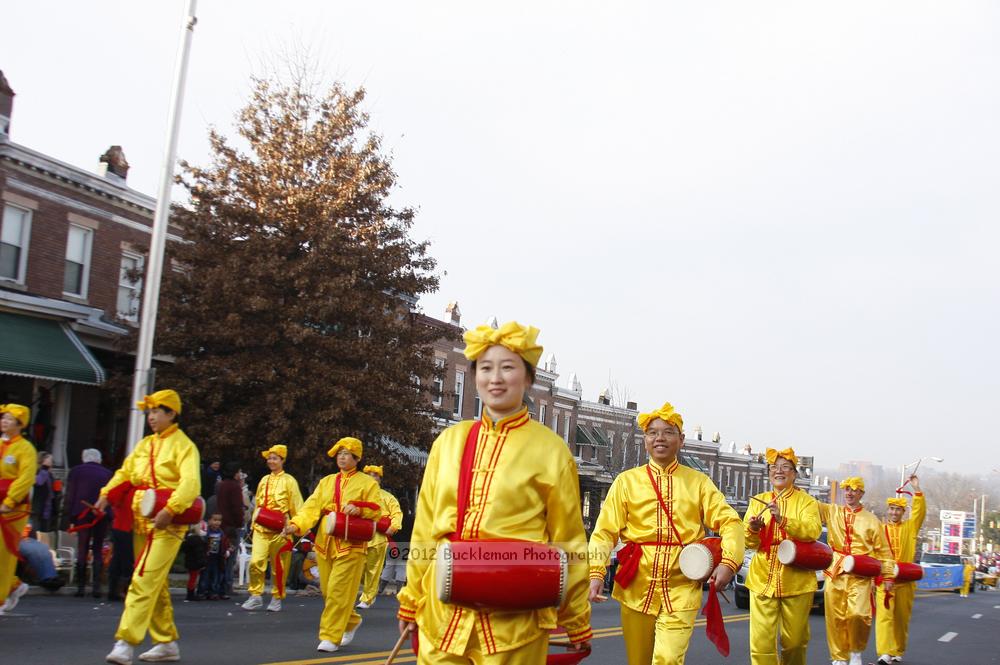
(742, 594)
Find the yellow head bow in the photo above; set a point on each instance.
(511, 335)
(348, 443)
(371, 468)
(20, 412)
(278, 449)
(854, 482)
(899, 501)
(167, 398)
(665, 413)
(772, 456)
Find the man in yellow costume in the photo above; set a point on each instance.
(851, 530)
(892, 625)
(167, 458)
(505, 477)
(781, 595)
(375, 558)
(18, 464)
(277, 491)
(655, 510)
(341, 561)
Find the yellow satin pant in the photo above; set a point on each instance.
(661, 639)
(8, 560)
(374, 560)
(848, 603)
(147, 605)
(264, 550)
(532, 653)
(785, 618)
(339, 578)
(892, 626)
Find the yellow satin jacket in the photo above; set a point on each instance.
(632, 512)
(902, 537)
(354, 486)
(799, 521)
(524, 487)
(277, 491)
(168, 459)
(19, 464)
(390, 507)
(854, 531)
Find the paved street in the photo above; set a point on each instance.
(63, 630)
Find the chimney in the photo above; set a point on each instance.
(6, 105)
(454, 313)
(113, 164)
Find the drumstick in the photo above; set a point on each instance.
(399, 645)
(560, 643)
(753, 498)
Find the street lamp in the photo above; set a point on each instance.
(916, 465)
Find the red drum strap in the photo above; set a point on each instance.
(465, 476)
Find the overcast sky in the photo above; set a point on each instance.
(781, 217)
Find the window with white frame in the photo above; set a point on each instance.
(479, 407)
(130, 286)
(459, 393)
(14, 237)
(566, 428)
(76, 274)
(541, 412)
(438, 382)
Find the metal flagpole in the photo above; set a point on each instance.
(141, 382)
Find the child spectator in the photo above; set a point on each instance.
(213, 579)
(195, 549)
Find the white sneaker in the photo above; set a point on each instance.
(121, 654)
(349, 635)
(328, 646)
(162, 653)
(856, 658)
(838, 662)
(897, 659)
(274, 605)
(363, 605)
(253, 603)
(14, 597)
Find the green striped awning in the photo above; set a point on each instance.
(45, 349)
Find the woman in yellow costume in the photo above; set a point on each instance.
(341, 562)
(167, 458)
(522, 485)
(892, 624)
(847, 598)
(277, 491)
(18, 464)
(656, 509)
(781, 595)
(375, 558)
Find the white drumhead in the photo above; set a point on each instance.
(329, 523)
(786, 552)
(442, 572)
(848, 564)
(895, 570)
(148, 503)
(696, 561)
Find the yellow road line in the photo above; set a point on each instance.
(380, 656)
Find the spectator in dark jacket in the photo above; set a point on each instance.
(209, 477)
(42, 496)
(229, 504)
(195, 549)
(85, 482)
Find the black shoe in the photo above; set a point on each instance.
(52, 584)
(191, 595)
(79, 592)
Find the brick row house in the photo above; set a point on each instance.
(73, 244)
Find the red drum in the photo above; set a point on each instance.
(383, 524)
(153, 501)
(512, 575)
(908, 572)
(270, 519)
(808, 556)
(345, 527)
(862, 565)
(698, 560)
